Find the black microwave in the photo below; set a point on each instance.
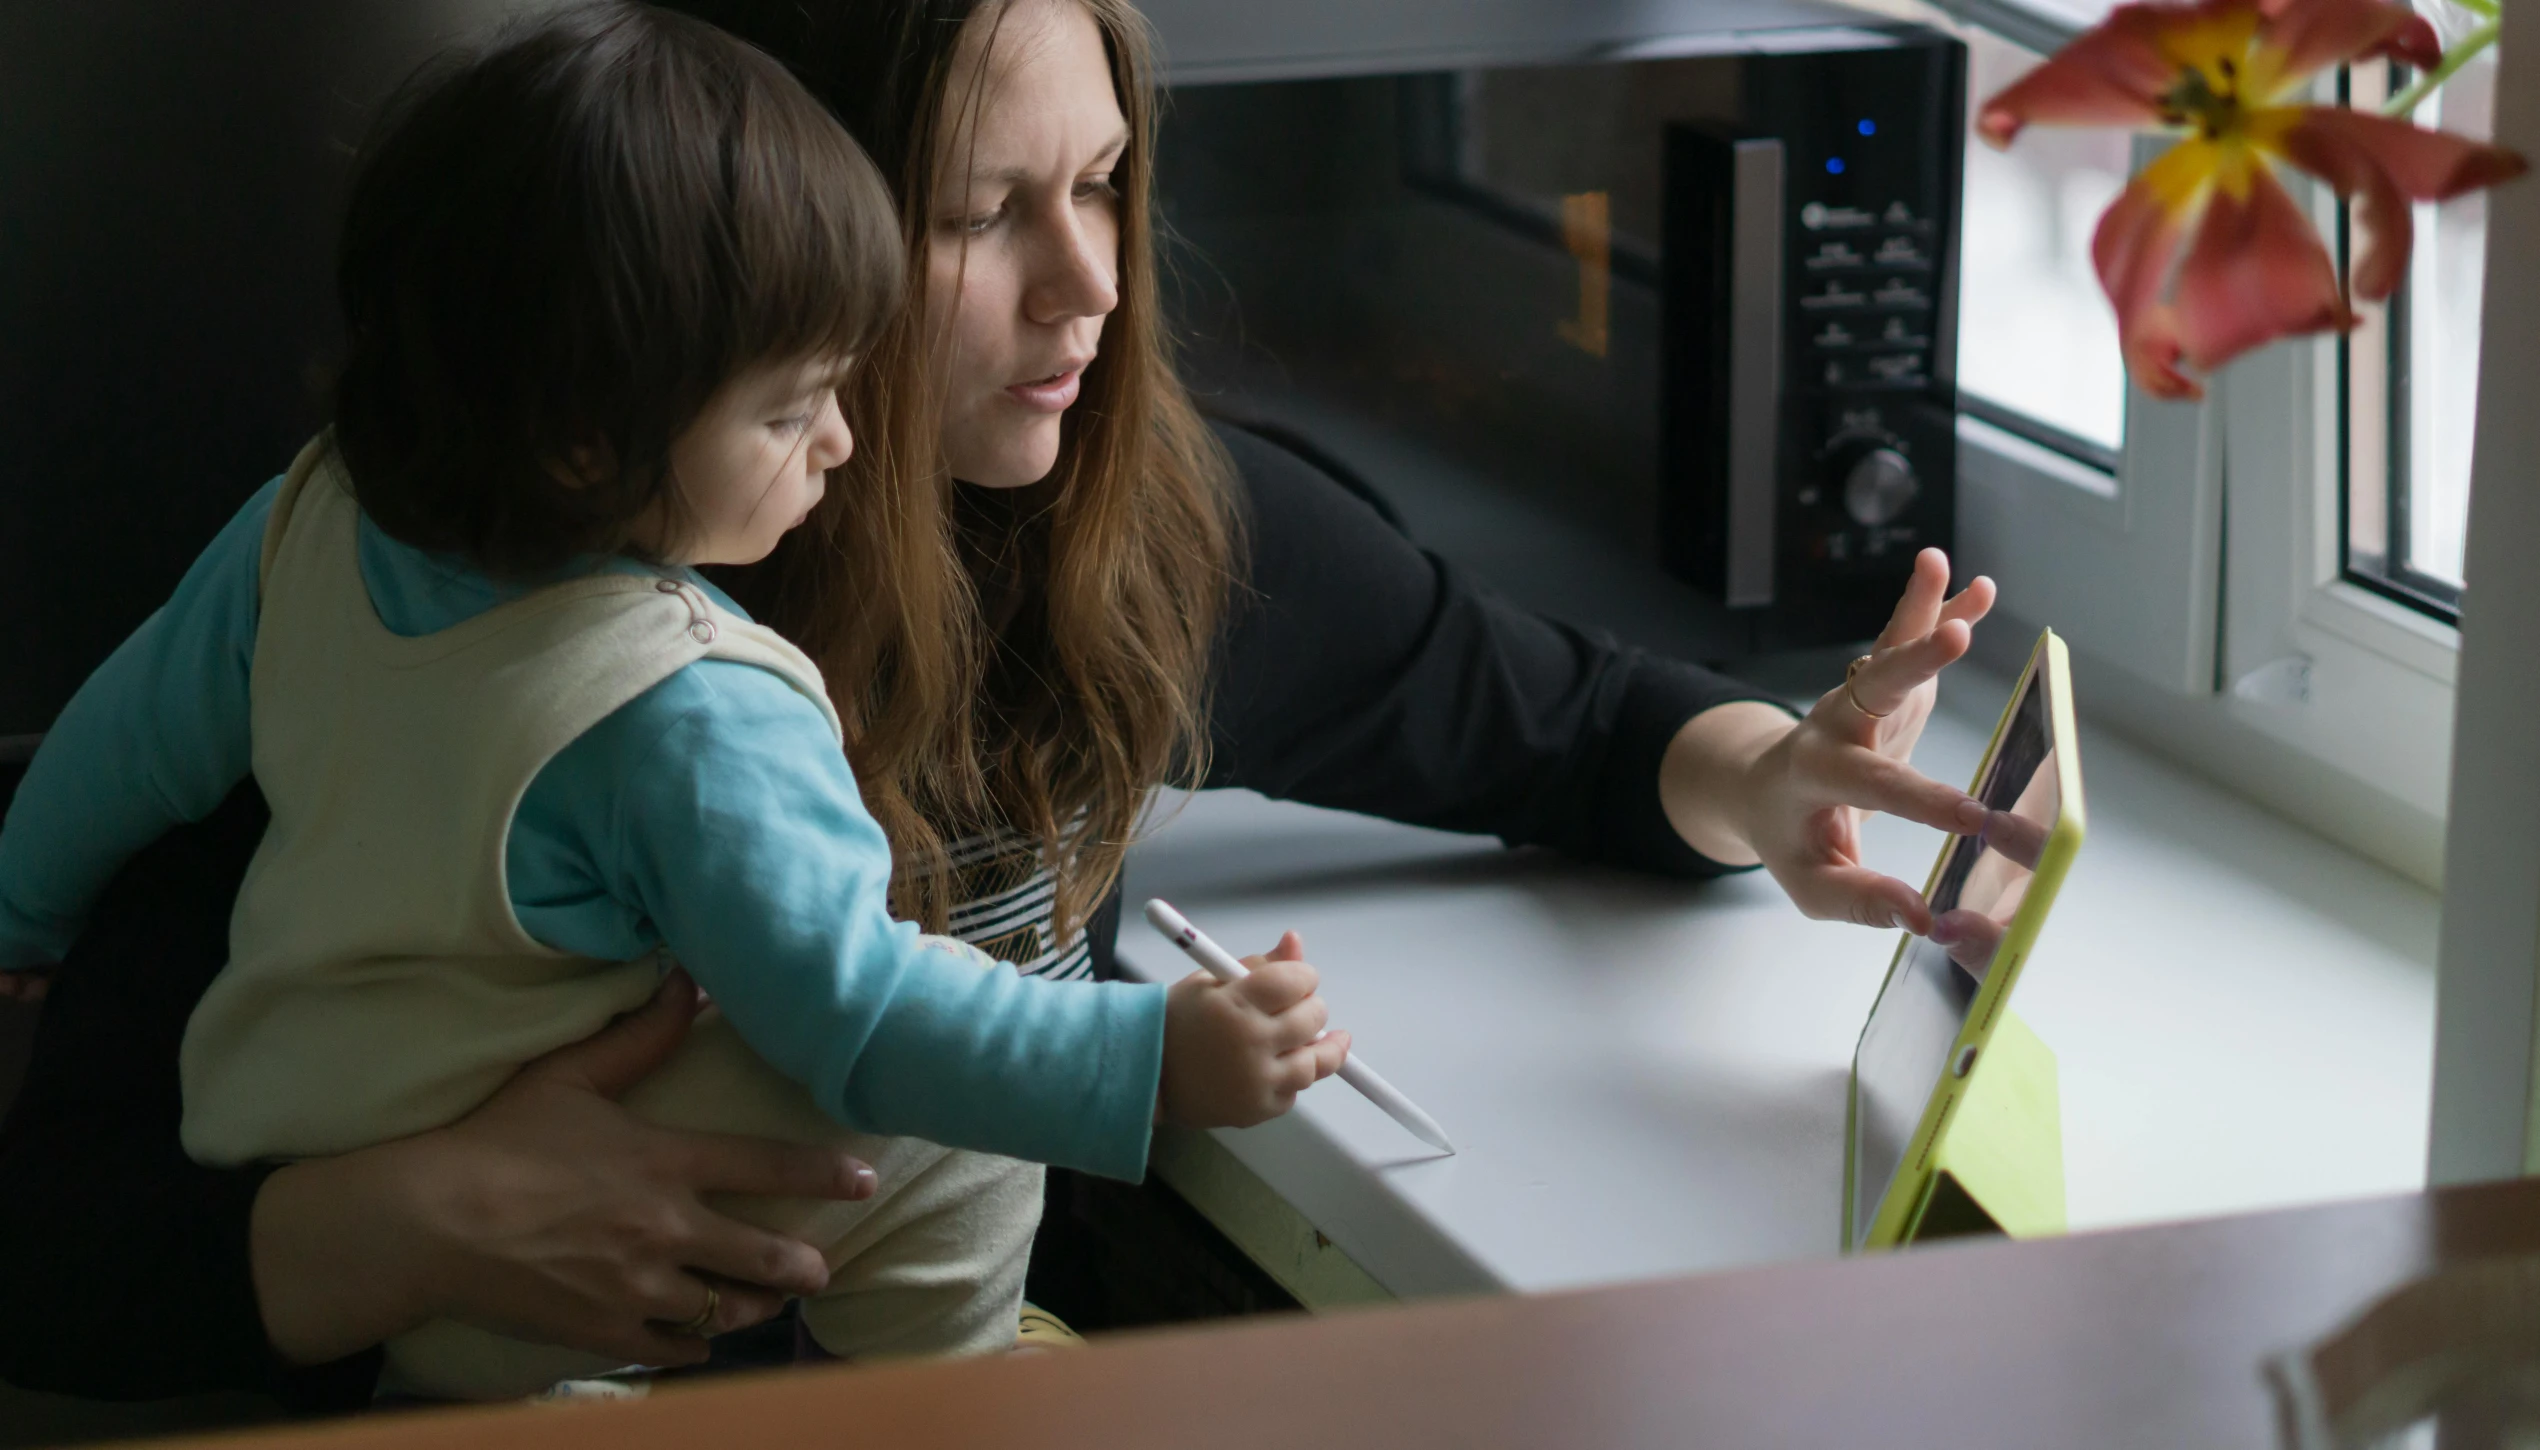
(1694, 297)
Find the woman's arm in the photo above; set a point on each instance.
(1364, 673)
(131, 1272)
(1367, 674)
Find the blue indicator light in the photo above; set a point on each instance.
(1834, 166)
(1868, 128)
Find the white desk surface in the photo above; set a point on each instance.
(1647, 1078)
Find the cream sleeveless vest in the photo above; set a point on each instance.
(378, 982)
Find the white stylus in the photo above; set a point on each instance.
(1222, 965)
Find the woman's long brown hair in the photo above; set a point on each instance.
(1031, 658)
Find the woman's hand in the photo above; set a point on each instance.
(549, 1213)
(1742, 783)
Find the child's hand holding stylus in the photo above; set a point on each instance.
(1237, 1053)
(1215, 960)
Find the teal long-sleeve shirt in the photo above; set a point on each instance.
(713, 814)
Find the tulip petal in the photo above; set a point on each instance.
(2257, 270)
(2388, 163)
(2303, 37)
(2137, 240)
(2112, 75)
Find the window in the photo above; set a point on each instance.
(2096, 509)
(2267, 589)
(2037, 345)
(2266, 584)
(2411, 375)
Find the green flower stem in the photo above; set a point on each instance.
(2459, 55)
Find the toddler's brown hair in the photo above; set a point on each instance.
(558, 249)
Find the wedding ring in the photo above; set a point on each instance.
(1851, 670)
(705, 1316)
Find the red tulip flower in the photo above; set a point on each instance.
(2229, 75)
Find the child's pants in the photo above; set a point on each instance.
(932, 1264)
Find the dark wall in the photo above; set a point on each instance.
(17, 1019)
(169, 177)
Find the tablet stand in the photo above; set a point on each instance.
(1998, 1167)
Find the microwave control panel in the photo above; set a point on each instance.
(1810, 269)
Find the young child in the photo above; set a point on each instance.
(600, 284)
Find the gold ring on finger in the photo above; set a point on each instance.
(705, 1316)
(1850, 672)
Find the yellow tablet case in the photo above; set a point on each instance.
(1988, 1155)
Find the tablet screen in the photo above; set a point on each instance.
(1905, 1048)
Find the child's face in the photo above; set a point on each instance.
(755, 461)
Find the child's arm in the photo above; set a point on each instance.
(740, 832)
(156, 737)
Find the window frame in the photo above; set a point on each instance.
(2389, 328)
(2392, 576)
(2381, 669)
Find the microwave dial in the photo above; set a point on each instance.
(1878, 483)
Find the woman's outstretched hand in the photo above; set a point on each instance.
(550, 1213)
(1742, 783)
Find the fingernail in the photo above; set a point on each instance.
(1944, 931)
(1973, 816)
(865, 1181)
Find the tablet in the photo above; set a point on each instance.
(1926, 1036)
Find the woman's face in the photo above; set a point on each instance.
(1023, 249)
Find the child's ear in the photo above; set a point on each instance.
(587, 464)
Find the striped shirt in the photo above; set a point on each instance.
(1006, 902)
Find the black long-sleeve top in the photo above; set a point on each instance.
(1355, 671)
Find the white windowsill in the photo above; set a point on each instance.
(1648, 1078)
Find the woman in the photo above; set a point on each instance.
(1025, 599)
